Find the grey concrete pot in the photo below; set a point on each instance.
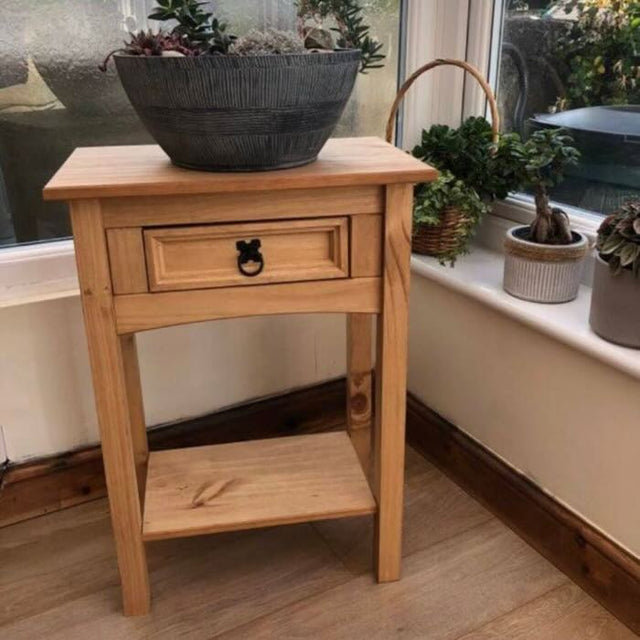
(615, 305)
(543, 272)
(240, 113)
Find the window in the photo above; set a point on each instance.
(53, 98)
(576, 64)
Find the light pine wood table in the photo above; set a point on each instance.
(158, 246)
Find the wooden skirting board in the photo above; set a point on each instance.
(600, 567)
(34, 488)
(604, 570)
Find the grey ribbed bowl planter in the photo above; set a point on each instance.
(615, 305)
(543, 272)
(240, 113)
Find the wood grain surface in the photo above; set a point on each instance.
(466, 577)
(205, 256)
(253, 484)
(106, 172)
(150, 311)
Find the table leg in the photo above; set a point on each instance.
(359, 385)
(391, 384)
(136, 410)
(110, 361)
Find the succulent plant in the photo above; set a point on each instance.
(201, 29)
(272, 41)
(548, 153)
(149, 43)
(619, 238)
(352, 32)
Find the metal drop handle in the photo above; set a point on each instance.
(249, 252)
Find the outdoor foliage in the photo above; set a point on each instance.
(619, 239)
(602, 52)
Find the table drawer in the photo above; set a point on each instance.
(224, 255)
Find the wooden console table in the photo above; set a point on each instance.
(158, 246)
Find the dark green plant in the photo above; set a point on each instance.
(601, 49)
(619, 239)
(431, 200)
(493, 169)
(352, 31)
(202, 30)
(548, 153)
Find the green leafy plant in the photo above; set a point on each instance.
(602, 52)
(202, 30)
(547, 155)
(352, 31)
(619, 239)
(475, 171)
(431, 201)
(469, 152)
(197, 32)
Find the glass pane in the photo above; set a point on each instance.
(576, 64)
(53, 98)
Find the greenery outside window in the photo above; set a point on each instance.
(576, 64)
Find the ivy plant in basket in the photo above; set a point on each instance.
(615, 299)
(264, 100)
(544, 261)
(477, 167)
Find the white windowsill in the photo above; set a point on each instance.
(35, 273)
(479, 276)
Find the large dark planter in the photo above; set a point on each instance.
(615, 305)
(240, 113)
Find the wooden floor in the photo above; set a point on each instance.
(466, 576)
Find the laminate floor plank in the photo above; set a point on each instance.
(565, 613)
(445, 591)
(209, 585)
(435, 509)
(466, 576)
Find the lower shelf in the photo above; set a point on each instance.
(260, 483)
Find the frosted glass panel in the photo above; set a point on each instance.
(53, 98)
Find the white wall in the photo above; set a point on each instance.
(567, 421)
(46, 400)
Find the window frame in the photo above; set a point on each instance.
(467, 29)
(481, 35)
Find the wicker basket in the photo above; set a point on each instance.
(442, 239)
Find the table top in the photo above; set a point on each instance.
(145, 170)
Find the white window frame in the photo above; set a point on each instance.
(469, 30)
(463, 29)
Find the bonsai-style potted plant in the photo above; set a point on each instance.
(266, 100)
(615, 300)
(477, 167)
(544, 261)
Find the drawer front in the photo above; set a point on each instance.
(226, 255)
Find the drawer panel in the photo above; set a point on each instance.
(202, 257)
